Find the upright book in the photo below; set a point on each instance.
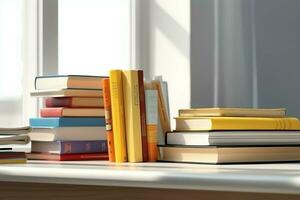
(132, 116)
(68, 81)
(117, 104)
(231, 112)
(235, 123)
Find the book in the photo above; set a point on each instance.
(13, 161)
(70, 147)
(143, 115)
(108, 119)
(67, 157)
(68, 81)
(67, 122)
(72, 112)
(74, 102)
(68, 133)
(231, 112)
(132, 116)
(218, 155)
(234, 138)
(14, 139)
(235, 123)
(118, 120)
(151, 100)
(15, 130)
(9, 157)
(67, 93)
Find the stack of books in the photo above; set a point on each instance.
(233, 135)
(9, 137)
(72, 124)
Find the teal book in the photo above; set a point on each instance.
(67, 122)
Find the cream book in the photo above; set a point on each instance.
(231, 112)
(67, 93)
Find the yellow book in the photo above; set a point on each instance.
(235, 123)
(117, 107)
(231, 112)
(132, 116)
(13, 161)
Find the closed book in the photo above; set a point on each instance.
(108, 119)
(12, 155)
(67, 157)
(117, 105)
(74, 102)
(132, 116)
(231, 112)
(67, 122)
(143, 115)
(13, 161)
(235, 123)
(68, 81)
(72, 112)
(151, 123)
(234, 138)
(70, 147)
(218, 155)
(15, 130)
(67, 93)
(68, 133)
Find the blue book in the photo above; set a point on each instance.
(67, 121)
(70, 147)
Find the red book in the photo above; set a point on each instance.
(108, 119)
(143, 115)
(66, 157)
(74, 102)
(72, 112)
(6, 155)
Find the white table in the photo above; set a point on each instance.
(167, 179)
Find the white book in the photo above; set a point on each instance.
(68, 133)
(234, 138)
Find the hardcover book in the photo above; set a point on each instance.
(68, 81)
(67, 93)
(72, 112)
(70, 147)
(74, 102)
(67, 157)
(67, 122)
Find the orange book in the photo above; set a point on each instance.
(108, 119)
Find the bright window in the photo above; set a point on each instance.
(94, 36)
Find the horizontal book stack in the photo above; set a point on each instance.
(233, 135)
(72, 124)
(132, 117)
(9, 137)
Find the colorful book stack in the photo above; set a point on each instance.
(72, 124)
(134, 111)
(9, 138)
(233, 135)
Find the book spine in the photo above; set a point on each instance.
(132, 116)
(85, 156)
(143, 115)
(58, 102)
(71, 147)
(152, 120)
(118, 121)
(108, 119)
(51, 112)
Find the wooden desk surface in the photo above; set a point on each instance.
(264, 178)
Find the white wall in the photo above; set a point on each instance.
(165, 47)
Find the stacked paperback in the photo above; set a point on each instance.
(233, 135)
(72, 124)
(9, 137)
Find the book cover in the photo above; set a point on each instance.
(68, 133)
(108, 119)
(67, 122)
(68, 81)
(143, 115)
(132, 116)
(236, 123)
(151, 121)
(74, 102)
(117, 104)
(70, 147)
(67, 157)
(71, 112)
(231, 112)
